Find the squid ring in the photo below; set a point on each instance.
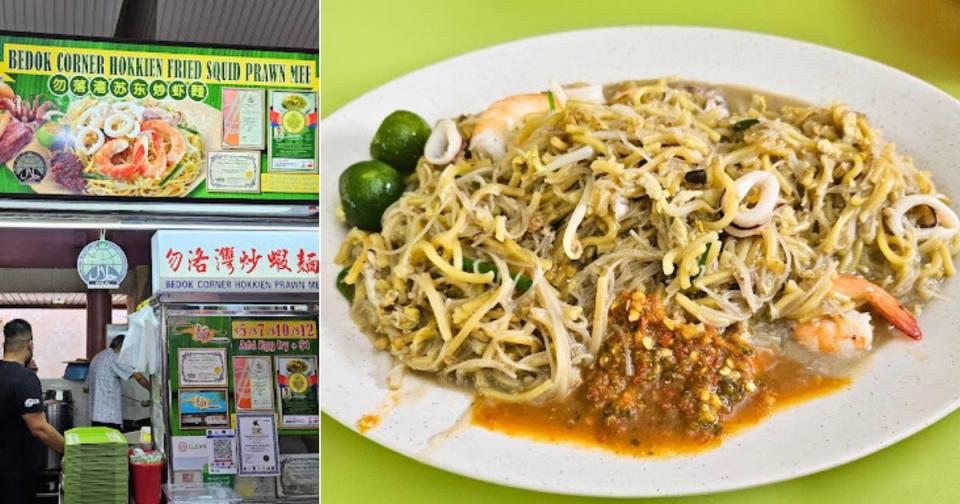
(762, 212)
(90, 118)
(947, 222)
(129, 107)
(91, 139)
(444, 143)
(119, 124)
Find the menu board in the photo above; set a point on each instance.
(86, 119)
(252, 348)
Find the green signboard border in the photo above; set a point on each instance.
(16, 191)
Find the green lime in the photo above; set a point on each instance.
(367, 188)
(342, 286)
(400, 139)
(293, 121)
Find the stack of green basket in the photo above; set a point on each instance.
(95, 466)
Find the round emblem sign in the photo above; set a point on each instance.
(102, 265)
(29, 167)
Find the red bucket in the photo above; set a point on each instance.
(146, 482)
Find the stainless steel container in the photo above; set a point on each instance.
(58, 407)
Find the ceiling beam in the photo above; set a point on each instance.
(137, 20)
(63, 280)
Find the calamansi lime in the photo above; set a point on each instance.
(399, 140)
(367, 188)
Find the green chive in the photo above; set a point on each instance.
(703, 260)
(550, 100)
(172, 174)
(471, 266)
(744, 124)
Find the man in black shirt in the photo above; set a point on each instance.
(21, 417)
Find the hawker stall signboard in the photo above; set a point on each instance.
(236, 261)
(81, 119)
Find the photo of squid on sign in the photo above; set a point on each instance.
(25, 126)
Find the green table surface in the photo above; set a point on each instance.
(365, 43)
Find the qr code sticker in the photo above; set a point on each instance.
(223, 449)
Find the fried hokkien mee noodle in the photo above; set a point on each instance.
(498, 266)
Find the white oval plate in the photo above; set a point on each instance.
(907, 386)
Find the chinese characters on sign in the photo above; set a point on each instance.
(59, 84)
(279, 261)
(198, 259)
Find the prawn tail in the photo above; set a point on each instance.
(884, 303)
(892, 311)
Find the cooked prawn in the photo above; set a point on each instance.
(851, 330)
(495, 124)
(846, 334)
(153, 159)
(881, 301)
(112, 159)
(174, 145)
(499, 119)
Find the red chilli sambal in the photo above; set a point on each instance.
(660, 387)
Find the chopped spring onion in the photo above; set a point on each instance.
(703, 260)
(744, 124)
(550, 101)
(189, 130)
(171, 175)
(471, 266)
